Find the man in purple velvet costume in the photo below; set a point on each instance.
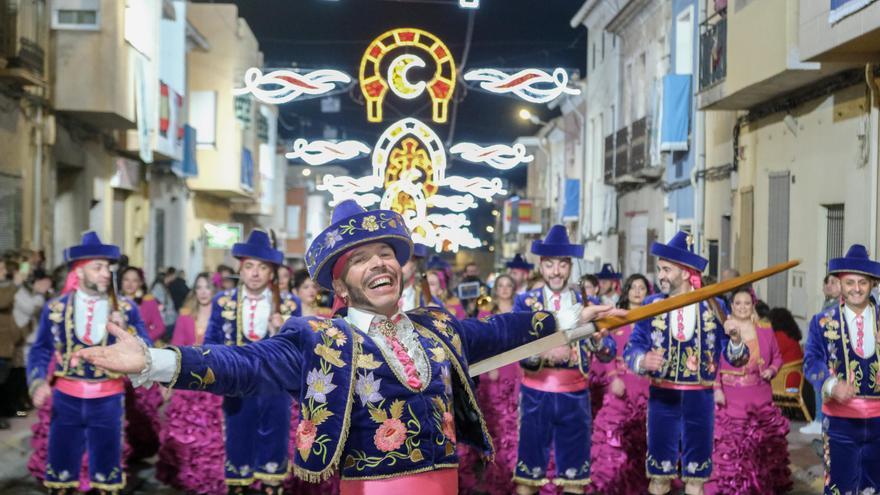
(384, 395)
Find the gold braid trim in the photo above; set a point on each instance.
(333, 465)
(109, 486)
(566, 482)
(176, 371)
(529, 482)
(663, 477)
(61, 484)
(271, 477)
(470, 395)
(694, 478)
(239, 481)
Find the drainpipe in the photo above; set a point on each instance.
(873, 136)
(699, 183)
(37, 241)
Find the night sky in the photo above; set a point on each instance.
(333, 34)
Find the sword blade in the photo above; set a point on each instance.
(642, 312)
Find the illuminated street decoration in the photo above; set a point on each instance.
(469, 4)
(532, 85)
(282, 86)
(500, 156)
(321, 152)
(409, 164)
(375, 87)
(397, 73)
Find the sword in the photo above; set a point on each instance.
(660, 307)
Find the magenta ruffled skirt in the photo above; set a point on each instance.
(295, 485)
(143, 420)
(40, 449)
(192, 453)
(498, 397)
(751, 452)
(619, 446)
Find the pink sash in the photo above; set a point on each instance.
(679, 386)
(438, 482)
(853, 408)
(82, 389)
(555, 380)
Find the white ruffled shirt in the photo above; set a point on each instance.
(406, 334)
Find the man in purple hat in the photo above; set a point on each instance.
(679, 352)
(609, 284)
(555, 396)
(385, 396)
(88, 404)
(257, 428)
(842, 359)
(519, 269)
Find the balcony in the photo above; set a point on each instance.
(853, 38)
(713, 50)
(750, 56)
(609, 159)
(23, 40)
(621, 158)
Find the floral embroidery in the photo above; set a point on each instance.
(288, 307)
(56, 311)
(396, 438)
(659, 323)
(202, 382)
(227, 306)
(875, 377)
(438, 355)
(855, 372)
(332, 356)
(368, 362)
(538, 323)
(332, 238)
(369, 224)
(390, 435)
(339, 338)
(657, 338)
(367, 388)
(306, 432)
(319, 385)
(271, 467)
(690, 364)
(446, 378)
(710, 340)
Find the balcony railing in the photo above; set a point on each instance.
(609, 159)
(24, 34)
(638, 145)
(621, 162)
(713, 49)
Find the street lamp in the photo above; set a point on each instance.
(525, 114)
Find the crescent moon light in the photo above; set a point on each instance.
(400, 85)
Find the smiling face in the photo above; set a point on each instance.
(743, 306)
(555, 272)
(856, 289)
(671, 278)
(131, 283)
(371, 279)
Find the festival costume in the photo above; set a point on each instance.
(87, 404)
(257, 427)
(751, 449)
(619, 436)
(843, 346)
(555, 396)
(192, 453)
(152, 317)
(680, 403)
(376, 394)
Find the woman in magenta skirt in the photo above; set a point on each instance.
(619, 440)
(751, 451)
(192, 453)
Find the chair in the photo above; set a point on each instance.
(790, 399)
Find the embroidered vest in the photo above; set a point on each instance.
(579, 356)
(232, 304)
(694, 361)
(864, 373)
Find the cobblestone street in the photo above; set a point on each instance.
(15, 479)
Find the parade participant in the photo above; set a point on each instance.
(590, 288)
(134, 287)
(439, 275)
(609, 284)
(285, 279)
(87, 402)
(192, 451)
(751, 450)
(679, 352)
(256, 428)
(841, 356)
(555, 396)
(498, 396)
(376, 387)
(308, 290)
(619, 436)
(413, 296)
(519, 270)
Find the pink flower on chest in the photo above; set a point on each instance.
(692, 363)
(390, 435)
(449, 426)
(305, 435)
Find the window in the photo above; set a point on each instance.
(684, 40)
(76, 14)
(833, 231)
(203, 116)
(713, 258)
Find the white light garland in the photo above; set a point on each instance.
(478, 186)
(289, 84)
(499, 156)
(397, 75)
(322, 152)
(532, 85)
(469, 4)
